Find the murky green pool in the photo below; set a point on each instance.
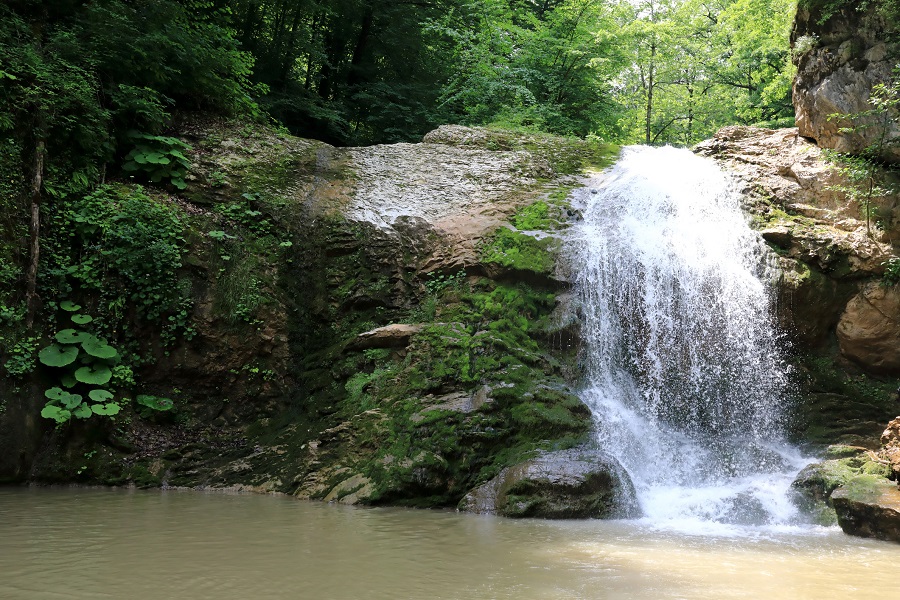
(78, 543)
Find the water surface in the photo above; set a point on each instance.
(77, 543)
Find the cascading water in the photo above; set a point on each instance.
(684, 369)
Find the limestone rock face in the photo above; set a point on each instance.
(838, 62)
(869, 329)
(890, 441)
(566, 484)
(822, 242)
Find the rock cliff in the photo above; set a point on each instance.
(403, 343)
(834, 301)
(842, 50)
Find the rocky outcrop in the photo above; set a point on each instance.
(890, 446)
(869, 329)
(839, 60)
(568, 484)
(822, 244)
(828, 264)
(366, 325)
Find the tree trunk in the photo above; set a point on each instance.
(32, 301)
(362, 41)
(648, 117)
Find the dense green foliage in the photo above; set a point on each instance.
(363, 71)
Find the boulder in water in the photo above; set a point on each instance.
(566, 484)
(814, 486)
(869, 507)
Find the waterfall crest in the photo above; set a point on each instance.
(684, 367)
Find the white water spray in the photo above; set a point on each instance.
(684, 369)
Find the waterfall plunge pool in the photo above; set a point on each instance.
(688, 394)
(79, 543)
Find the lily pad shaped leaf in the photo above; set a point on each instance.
(94, 374)
(99, 348)
(56, 393)
(68, 380)
(69, 306)
(83, 411)
(109, 409)
(55, 355)
(154, 402)
(100, 395)
(82, 319)
(70, 401)
(70, 336)
(60, 415)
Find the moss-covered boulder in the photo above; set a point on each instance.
(815, 486)
(568, 484)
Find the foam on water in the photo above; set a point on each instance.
(685, 373)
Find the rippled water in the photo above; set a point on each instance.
(684, 368)
(79, 543)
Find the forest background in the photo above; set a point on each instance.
(92, 91)
(355, 72)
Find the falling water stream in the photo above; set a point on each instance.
(685, 373)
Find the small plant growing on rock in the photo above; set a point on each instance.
(863, 170)
(891, 275)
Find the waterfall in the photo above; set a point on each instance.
(684, 367)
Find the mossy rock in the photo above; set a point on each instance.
(869, 506)
(814, 486)
(568, 484)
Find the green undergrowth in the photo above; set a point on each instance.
(519, 251)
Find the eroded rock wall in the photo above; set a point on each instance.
(842, 50)
(833, 301)
(369, 325)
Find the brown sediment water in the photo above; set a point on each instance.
(78, 543)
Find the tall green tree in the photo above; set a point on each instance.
(547, 65)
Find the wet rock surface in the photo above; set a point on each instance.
(568, 484)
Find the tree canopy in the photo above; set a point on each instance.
(371, 71)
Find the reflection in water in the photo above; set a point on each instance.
(84, 543)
